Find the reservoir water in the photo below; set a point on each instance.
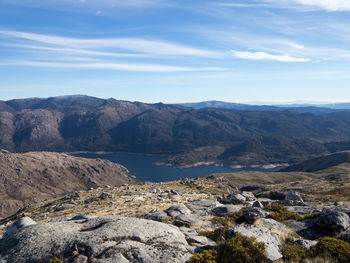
(143, 167)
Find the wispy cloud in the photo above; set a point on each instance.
(328, 5)
(111, 66)
(266, 56)
(139, 45)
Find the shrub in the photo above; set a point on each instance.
(208, 256)
(337, 249)
(55, 260)
(281, 213)
(312, 216)
(241, 249)
(216, 235)
(293, 253)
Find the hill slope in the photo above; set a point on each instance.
(39, 175)
(321, 163)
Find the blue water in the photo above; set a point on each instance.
(143, 167)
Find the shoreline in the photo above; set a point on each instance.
(193, 165)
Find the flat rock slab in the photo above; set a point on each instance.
(100, 239)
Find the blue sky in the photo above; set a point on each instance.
(176, 50)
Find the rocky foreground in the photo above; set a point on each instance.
(182, 221)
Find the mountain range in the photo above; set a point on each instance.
(224, 136)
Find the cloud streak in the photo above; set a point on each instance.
(266, 56)
(111, 66)
(139, 45)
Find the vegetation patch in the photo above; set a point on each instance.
(337, 249)
(240, 249)
(281, 213)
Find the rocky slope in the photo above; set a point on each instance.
(172, 221)
(221, 136)
(32, 176)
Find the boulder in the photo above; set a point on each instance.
(249, 196)
(293, 198)
(20, 223)
(178, 210)
(156, 215)
(333, 220)
(250, 214)
(227, 210)
(235, 199)
(103, 239)
(262, 234)
(188, 220)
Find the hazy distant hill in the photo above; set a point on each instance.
(315, 109)
(73, 123)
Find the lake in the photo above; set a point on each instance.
(143, 167)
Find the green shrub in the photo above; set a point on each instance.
(337, 249)
(241, 249)
(312, 216)
(216, 235)
(55, 260)
(281, 213)
(293, 253)
(208, 256)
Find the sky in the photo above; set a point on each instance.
(172, 51)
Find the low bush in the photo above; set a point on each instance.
(281, 213)
(240, 249)
(208, 256)
(336, 249)
(293, 253)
